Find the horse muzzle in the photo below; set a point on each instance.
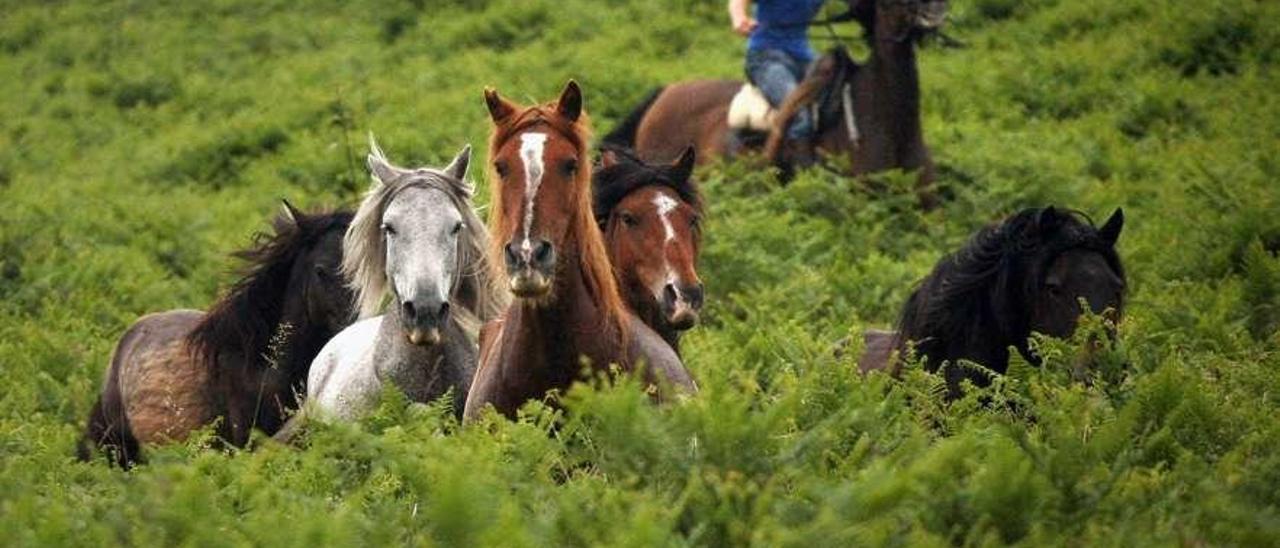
(682, 305)
(423, 322)
(530, 265)
(428, 336)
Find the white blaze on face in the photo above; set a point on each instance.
(531, 147)
(665, 205)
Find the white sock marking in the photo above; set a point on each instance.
(531, 145)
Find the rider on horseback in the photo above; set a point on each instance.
(778, 55)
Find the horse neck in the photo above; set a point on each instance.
(978, 335)
(641, 303)
(571, 325)
(415, 370)
(892, 80)
(303, 339)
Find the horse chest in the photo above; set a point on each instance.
(538, 354)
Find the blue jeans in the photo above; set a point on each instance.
(777, 74)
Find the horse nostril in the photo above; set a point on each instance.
(694, 294)
(669, 295)
(510, 254)
(444, 312)
(409, 311)
(542, 253)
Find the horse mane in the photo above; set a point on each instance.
(365, 249)
(974, 298)
(248, 315)
(593, 261)
(809, 90)
(610, 185)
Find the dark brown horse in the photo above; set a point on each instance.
(882, 132)
(651, 216)
(243, 362)
(1026, 274)
(567, 307)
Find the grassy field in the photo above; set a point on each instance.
(141, 142)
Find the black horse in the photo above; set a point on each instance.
(243, 362)
(1026, 274)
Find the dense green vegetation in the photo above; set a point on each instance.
(141, 142)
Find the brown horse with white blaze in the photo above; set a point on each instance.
(651, 216)
(567, 308)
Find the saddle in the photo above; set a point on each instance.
(750, 110)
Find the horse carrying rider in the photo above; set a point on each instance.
(778, 55)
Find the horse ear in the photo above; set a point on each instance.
(1047, 220)
(458, 167)
(608, 158)
(683, 166)
(289, 213)
(570, 103)
(499, 109)
(1110, 230)
(289, 217)
(381, 169)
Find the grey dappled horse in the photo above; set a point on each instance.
(416, 242)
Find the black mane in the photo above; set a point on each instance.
(611, 184)
(245, 319)
(974, 305)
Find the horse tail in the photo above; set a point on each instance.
(108, 430)
(625, 134)
(108, 427)
(805, 94)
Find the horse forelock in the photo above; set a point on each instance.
(593, 261)
(249, 314)
(610, 185)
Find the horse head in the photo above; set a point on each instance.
(651, 217)
(414, 238)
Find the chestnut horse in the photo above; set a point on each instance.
(882, 132)
(651, 216)
(567, 308)
(243, 362)
(1026, 274)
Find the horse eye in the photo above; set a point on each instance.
(388, 229)
(321, 273)
(628, 219)
(570, 166)
(501, 167)
(695, 222)
(457, 227)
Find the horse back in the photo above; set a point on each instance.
(164, 392)
(694, 112)
(878, 351)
